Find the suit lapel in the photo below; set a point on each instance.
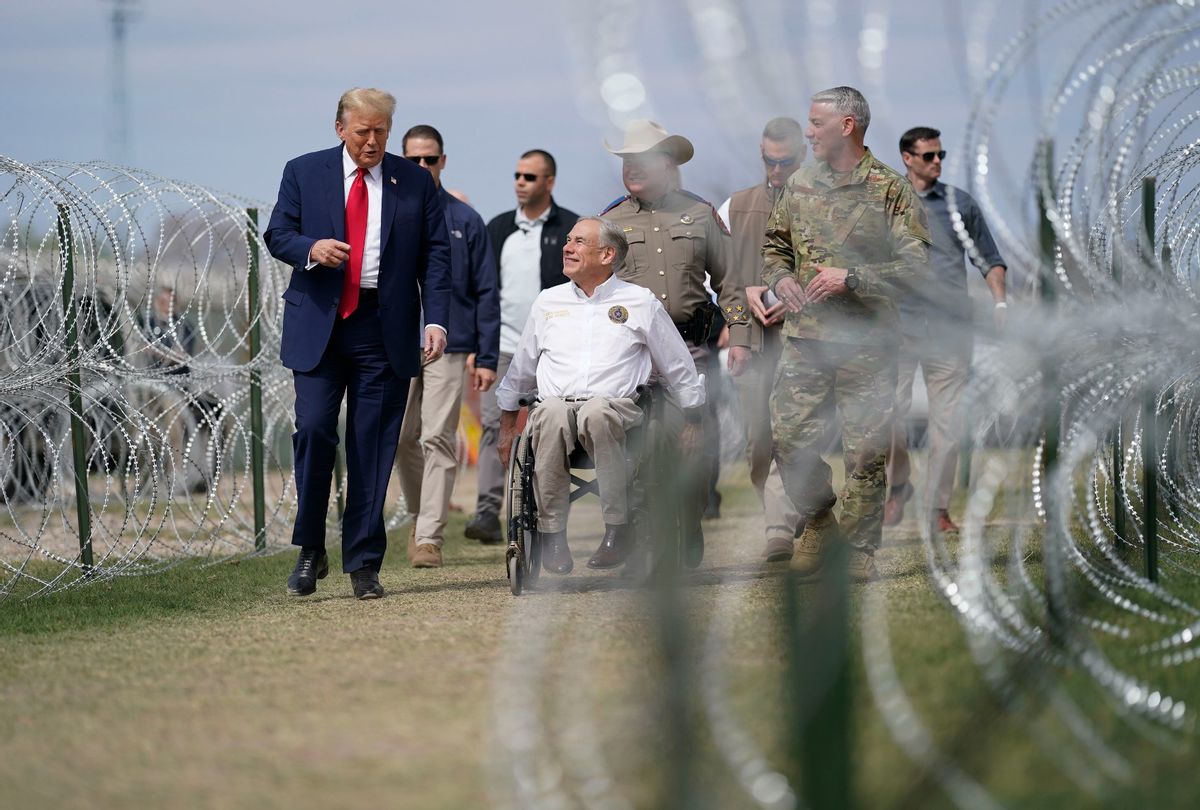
(336, 183)
(388, 209)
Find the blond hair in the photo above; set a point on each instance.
(367, 99)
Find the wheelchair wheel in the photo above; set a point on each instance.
(523, 559)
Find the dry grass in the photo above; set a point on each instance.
(209, 687)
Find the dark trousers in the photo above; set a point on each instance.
(354, 366)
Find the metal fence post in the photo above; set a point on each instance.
(83, 507)
(257, 440)
(1055, 565)
(1149, 415)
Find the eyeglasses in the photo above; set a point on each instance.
(929, 156)
(785, 162)
(526, 176)
(428, 160)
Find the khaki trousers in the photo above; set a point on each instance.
(946, 371)
(492, 474)
(426, 456)
(754, 390)
(599, 425)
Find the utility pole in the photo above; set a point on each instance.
(123, 12)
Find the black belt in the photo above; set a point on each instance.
(368, 296)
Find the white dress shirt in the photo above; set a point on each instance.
(602, 346)
(373, 179)
(520, 276)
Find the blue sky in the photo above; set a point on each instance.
(223, 93)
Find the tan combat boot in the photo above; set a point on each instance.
(861, 566)
(809, 555)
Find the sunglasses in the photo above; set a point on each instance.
(526, 176)
(788, 161)
(929, 156)
(428, 160)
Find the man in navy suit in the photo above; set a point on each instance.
(366, 238)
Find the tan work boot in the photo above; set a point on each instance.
(809, 555)
(861, 566)
(779, 549)
(427, 556)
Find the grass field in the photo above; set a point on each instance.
(206, 686)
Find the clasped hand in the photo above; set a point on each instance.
(828, 281)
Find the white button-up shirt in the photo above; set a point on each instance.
(602, 346)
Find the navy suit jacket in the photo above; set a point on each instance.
(414, 257)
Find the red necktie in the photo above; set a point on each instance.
(356, 236)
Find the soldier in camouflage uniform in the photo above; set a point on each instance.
(847, 235)
(675, 238)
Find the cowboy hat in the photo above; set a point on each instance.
(644, 135)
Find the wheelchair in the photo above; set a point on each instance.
(652, 458)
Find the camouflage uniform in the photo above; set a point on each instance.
(673, 243)
(844, 347)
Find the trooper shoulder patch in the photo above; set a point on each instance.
(618, 314)
(614, 204)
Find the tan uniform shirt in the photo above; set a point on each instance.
(672, 244)
(749, 211)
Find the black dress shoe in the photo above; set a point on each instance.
(366, 584)
(693, 545)
(614, 548)
(485, 529)
(556, 554)
(312, 565)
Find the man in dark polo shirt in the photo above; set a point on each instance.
(527, 244)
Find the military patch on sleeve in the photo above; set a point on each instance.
(618, 314)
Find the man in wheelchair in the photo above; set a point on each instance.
(587, 346)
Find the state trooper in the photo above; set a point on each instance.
(675, 239)
(847, 236)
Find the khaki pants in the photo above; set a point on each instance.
(754, 390)
(946, 370)
(428, 440)
(599, 425)
(492, 474)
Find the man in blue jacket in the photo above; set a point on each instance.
(365, 235)
(427, 455)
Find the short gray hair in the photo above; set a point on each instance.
(847, 101)
(611, 236)
(367, 99)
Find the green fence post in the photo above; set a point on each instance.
(83, 507)
(257, 440)
(1118, 444)
(1149, 416)
(1055, 565)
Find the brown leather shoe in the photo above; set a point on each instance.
(861, 566)
(779, 549)
(614, 548)
(809, 556)
(893, 507)
(556, 554)
(944, 523)
(427, 556)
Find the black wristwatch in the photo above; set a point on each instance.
(851, 281)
